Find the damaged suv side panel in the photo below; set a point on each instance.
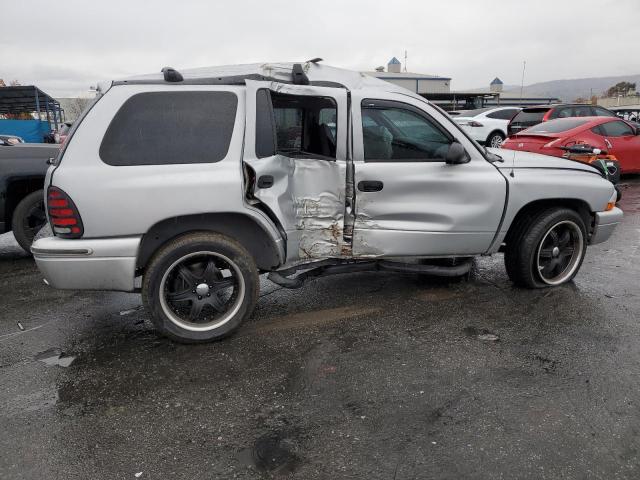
(300, 176)
(172, 182)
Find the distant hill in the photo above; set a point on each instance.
(569, 90)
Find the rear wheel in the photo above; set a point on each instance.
(495, 140)
(547, 250)
(200, 287)
(28, 218)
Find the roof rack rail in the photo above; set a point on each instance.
(171, 75)
(298, 75)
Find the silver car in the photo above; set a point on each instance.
(187, 186)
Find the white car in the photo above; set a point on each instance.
(487, 125)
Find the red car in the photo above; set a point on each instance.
(613, 135)
(530, 116)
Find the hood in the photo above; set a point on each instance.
(520, 159)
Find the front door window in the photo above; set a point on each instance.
(395, 133)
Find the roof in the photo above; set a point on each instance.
(318, 74)
(516, 95)
(394, 61)
(406, 76)
(457, 95)
(497, 81)
(25, 99)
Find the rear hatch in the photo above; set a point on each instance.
(527, 117)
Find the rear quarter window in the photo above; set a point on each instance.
(161, 128)
(530, 117)
(506, 114)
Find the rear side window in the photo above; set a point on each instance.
(296, 126)
(529, 117)
(603, 112)
(562, 112)
(583, 111)
(616, 128)
(506, 114)
(161, 128)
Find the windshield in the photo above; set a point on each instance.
(557, 126)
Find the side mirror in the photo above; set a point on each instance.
(456, 154)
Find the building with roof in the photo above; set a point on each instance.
(416, 82)
(496, 96)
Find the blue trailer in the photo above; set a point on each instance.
(28, 112)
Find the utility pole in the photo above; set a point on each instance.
(524, 66)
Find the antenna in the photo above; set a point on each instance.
(405, 60)
(524, 66)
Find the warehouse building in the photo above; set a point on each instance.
(416, 82)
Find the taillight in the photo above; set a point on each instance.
(63, 214)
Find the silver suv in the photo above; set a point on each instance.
(187, 187)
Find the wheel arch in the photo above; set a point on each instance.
(528, 211)
(240, 227)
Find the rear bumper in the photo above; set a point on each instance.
(605, 224)
(88, 264)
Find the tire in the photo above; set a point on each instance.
(28, 218)
(539, 255)
(495, 140)
(200, 287)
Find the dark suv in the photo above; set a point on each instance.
(530, 116)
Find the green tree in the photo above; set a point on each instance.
(621, 88)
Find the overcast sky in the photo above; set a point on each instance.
(64, 47)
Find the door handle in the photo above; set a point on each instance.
(370, 185)
(265, 181)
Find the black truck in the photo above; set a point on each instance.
(22, 171)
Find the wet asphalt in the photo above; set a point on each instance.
(370, 376)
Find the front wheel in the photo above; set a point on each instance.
(200, 287)
(546, 250)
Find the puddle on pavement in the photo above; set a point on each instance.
(55, 357)
(270, 453)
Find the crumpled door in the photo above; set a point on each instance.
(306, 195)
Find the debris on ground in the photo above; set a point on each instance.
(55, 356)
(488, 337)
(481, 334)
(130, 311)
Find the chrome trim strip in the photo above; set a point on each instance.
(61, 253)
